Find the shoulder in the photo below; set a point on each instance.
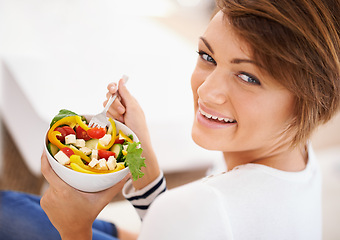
(193, 210)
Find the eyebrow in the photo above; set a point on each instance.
(235, 60)
(207, 44)
(238, 60)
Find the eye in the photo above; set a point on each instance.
(248, 78)
(206, 57)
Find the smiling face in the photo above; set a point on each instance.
(238, 107)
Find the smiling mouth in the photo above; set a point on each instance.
(215, 118)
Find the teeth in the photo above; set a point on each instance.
(207, 115)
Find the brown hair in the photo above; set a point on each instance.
(297, 42)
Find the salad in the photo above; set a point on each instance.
(92, 150)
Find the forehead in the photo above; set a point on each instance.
(222, 37)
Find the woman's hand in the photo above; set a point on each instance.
(127, 110)
(72, 212)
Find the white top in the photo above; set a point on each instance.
(250, 202)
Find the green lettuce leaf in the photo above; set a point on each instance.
(134, 160)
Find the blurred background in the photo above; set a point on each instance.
(63, 53)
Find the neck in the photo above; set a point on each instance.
(282, 158)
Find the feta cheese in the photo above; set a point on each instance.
(93, 163)
(125, 146)
(86, 150)
(111, 163)
(105, 140)
(95, 153)
(110, 129)
(120, 137)
(70, 139)
(80, 143)
(102, 164)
(62, 158)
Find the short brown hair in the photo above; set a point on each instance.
(297, 42)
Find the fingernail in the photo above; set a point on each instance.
(113, 88)
(125, 78)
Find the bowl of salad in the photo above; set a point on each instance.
(92, 159)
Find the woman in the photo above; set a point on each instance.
(267, 75)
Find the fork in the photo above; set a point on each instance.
(100, 120)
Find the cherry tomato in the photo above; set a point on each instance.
(96, 132)
(68, 151)
(105, 154)
(65, 130)
(120, 141)
(82, 134)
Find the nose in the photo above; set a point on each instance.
(213, 89)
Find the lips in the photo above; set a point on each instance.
(213, 120)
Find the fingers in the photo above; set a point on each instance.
(118, 107)
(112, 87)
(50, 176)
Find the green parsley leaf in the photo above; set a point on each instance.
(134, 160)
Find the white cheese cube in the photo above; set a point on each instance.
(125, 147)
(111, 163)
(102, 164)
(109, 130)
(95, 153)
(93, 163)
(86, 150)
(120, 137)
(80, 143)
(70, 139)
(62, 158)
(105, 140)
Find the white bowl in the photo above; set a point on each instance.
(89, 182)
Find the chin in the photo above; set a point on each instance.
(203, 140)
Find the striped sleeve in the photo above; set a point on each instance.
(141, 199)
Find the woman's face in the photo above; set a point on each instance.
(238, 106)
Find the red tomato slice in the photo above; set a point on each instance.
(82, 134)
(96, 132)
(68, 130)
(65, 130)
(63, 134)
(105, 154)
(120, 141)
(68, 151)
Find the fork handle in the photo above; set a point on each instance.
(108, 104)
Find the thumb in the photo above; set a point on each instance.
(123, 91)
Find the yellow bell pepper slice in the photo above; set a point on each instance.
(78, 168)
(81, 167)
(113, 136)
(70, 121)
(124, 136)
(119, 167)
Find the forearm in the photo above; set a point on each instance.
(151, 171)
(126, 235)
(81, 235)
